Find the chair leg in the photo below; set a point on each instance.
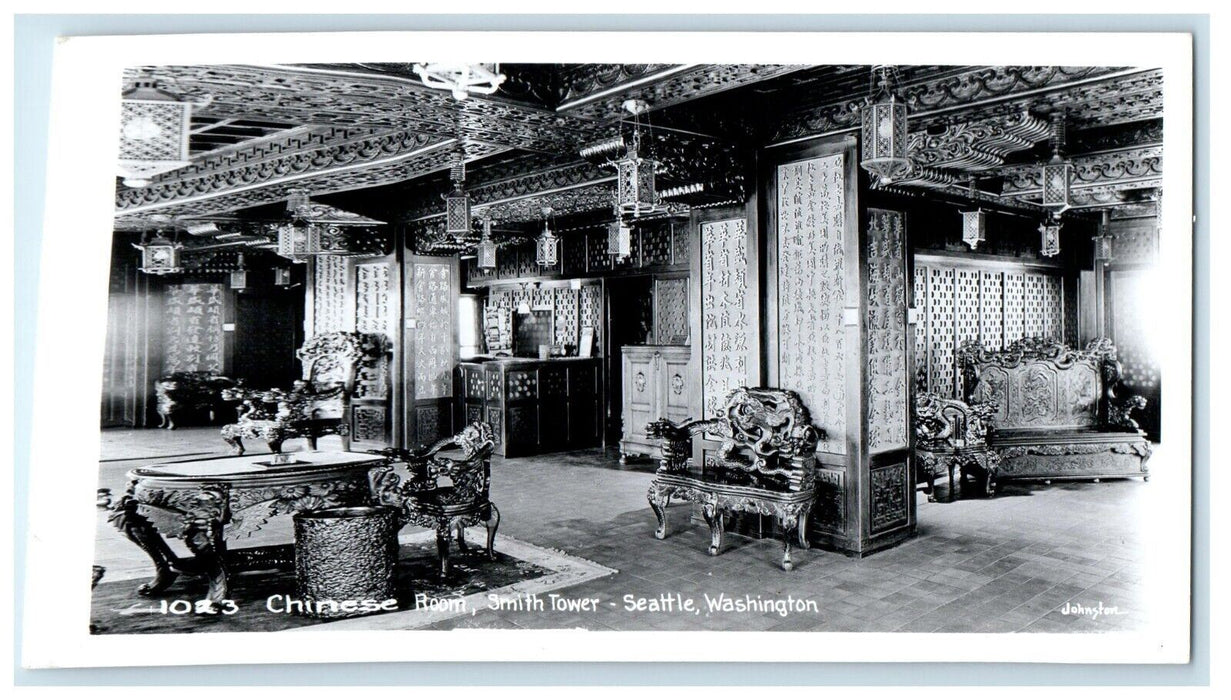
(492, 523)
(461, 538)
(952, 490)
(931, 487)
(802, 530)
(658, 504)
(311, 442)
(713, 518)
(237, 445)
(275, 446)
(442, 548)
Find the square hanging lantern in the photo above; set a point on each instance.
(619, 239)
(239, 279)
(154, 129)
(298, 240)
(1049, 244)
(486, 250)
(635, 187)
(884, 130)
(457, 214)
(974, 228)
(282, 276)
(1103, 246)
(1057, 176)
(160, 257)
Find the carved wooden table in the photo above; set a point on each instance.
(207, 502)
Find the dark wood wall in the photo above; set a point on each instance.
(192, 321)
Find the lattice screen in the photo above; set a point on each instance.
(993, 306)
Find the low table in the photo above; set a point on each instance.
(207, 502)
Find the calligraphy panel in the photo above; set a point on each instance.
(724, 316)
(811, 223)
(433, 330)
(192, 322)
(329, 295)
(885, 322)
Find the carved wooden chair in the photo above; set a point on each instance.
(180, 393)
(765, 465)
(952, 435)
(315, 406)
(425, 501)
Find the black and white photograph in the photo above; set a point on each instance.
(866, 339)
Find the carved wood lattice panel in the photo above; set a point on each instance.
(192, 323)
(434, 331)
(995, 307)
(591, 314)
(811, 279)
(885, 322)
(671, 312)
(724, 318)
(567, 313)
(329, 295)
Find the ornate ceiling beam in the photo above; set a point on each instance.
(380, 160)
(318, 96)
(598, 91)
(1129, 168)
(1088, 94)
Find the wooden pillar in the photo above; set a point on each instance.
(837, 334)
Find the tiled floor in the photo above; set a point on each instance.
(1001, 565)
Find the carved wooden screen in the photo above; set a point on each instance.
(671, 311)
(885, 323)
(726, 321)
(192, 327)
(432, 291)
(993, 304)
(811, 210)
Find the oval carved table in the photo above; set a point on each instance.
(208, 502)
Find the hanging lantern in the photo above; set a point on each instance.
(1057, 172)
(282, 276)
(457, 203)
(239, 277)
(619, 239)
(297, 204)
(1103, 250)
(486, 250)
(636, 189)
(154, 129)
(974, 223)
(160, 256)
(884, 125)
(298, 240)
(461, 79)
(547, 246)
(1049, 231)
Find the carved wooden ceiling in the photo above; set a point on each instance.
(372, 139)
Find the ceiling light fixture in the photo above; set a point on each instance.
(154, 129)
(547, 246)
(1049, 231)
(1057, 172)
(486, 250)
(884, 128)
(974, 223)
(457, 202)
(462, 79)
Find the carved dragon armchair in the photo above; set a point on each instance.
(765, 464)
(449, 508)
(951, 434)
(315, 406)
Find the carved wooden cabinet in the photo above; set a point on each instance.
(657, 384)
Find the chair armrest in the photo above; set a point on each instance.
(1119, 412)
(675, 439)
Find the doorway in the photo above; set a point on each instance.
(630, 320)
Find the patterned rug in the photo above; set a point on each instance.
(424, 598)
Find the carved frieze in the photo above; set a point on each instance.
(1135, 168)
(811, 278)
(885, 324)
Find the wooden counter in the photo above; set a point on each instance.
(535, 406)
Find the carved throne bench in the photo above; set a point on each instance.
(952, 435)
(181, 393)
(766, 465)
(315, 406)
(1055, 413)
